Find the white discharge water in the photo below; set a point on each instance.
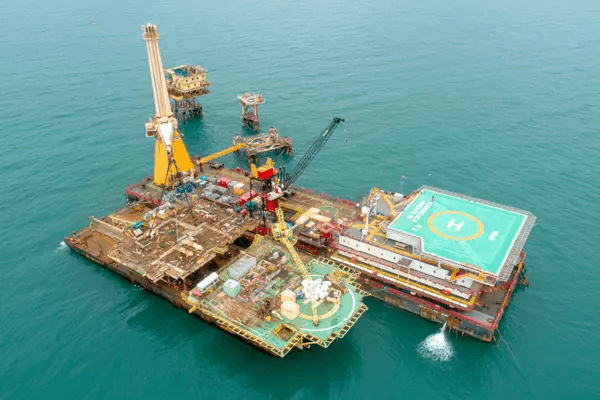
(436, 347)
(62, 247)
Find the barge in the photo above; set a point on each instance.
(197, 259)
(222, 244)
(446, 257)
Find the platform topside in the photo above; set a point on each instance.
(464, 230)
(335, 319)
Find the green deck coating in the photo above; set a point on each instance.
(461, 230)
(350, 302)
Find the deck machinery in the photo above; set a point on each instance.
(189, 257)
(446, 257)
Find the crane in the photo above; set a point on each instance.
(370, 209)
(283, 233)
(222, 153)
(171, 157)
(287, 180)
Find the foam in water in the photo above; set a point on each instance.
(436, 347)
(62, 247)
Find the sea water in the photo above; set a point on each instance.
(496, 100)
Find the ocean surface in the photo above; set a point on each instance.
(498, 100)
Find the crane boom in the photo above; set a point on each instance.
(311, 153)
(222, 153)
(170, 155)
(159, 84)
(283, 233)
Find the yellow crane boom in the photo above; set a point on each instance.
(283, 233)
(222, 153)
(170, 155)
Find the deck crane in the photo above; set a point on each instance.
(287, 180)
(171, 158)
(283, 233)
(370, 209)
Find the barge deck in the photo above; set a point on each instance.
(464, 281)
(172, 249)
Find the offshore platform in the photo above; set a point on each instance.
(250, 102)
(268, 142)
(185, 84)
(281, 266)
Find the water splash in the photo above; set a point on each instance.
(62, 247)
(436, 347)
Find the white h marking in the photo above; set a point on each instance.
(456, 226)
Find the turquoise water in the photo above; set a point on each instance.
(497, 101)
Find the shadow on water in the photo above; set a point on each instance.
(218, 354)
(193, 126)
(205, 347)
(312, 373)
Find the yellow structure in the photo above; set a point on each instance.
(269, 164)
(221, 153)
(170, 156)
(283, 233)
(167, 164)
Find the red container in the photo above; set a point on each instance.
(223, 181)
(245, 198)
(266, 174)
(262, 230)
(272, 205)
